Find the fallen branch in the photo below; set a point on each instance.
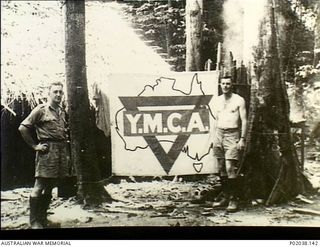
(303, 199)
(306, 211)
(9, 197)
(114, 210)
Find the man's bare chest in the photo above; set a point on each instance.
(227, 107)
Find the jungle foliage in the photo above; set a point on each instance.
(163, 22)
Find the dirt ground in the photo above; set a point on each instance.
(156, 203)
(164, 203)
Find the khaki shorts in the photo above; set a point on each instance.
(54, 163)
(225, 144)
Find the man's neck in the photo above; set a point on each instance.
(227, 95)
(54, 105)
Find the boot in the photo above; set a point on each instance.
(223, 202)
(233, 205)
(234, 200)
(45, 200)
(35, 221)
(224, 197)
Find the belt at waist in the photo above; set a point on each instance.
(228, 129)
(53, 140)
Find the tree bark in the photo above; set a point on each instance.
(83, 153)
(169, 33)
(317, 37)
(194, 10)
(271, 160)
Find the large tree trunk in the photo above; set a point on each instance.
(317, 37)
(83, 153)
(271, 161)
(193, 35)
(169, 32)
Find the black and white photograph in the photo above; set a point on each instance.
(160, 113)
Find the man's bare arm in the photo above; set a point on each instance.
(243, 118)
(27, 137)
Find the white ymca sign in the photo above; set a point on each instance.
(162, 124)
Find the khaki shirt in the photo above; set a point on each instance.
(48, 122)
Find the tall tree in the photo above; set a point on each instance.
(194, 9)
(271, 160)
(169, 29)
(83, 153)
(317, 36)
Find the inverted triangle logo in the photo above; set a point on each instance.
(166, 122)
(165, 143)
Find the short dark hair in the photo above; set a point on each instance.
(226, 78)
(57, 83)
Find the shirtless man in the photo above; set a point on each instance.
(229, 141)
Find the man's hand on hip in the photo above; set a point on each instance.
(42, 147)
(241, 144)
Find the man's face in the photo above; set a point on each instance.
(56, 93)
(226, 85)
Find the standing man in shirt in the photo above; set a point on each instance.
(49, 122)
(229, 141)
